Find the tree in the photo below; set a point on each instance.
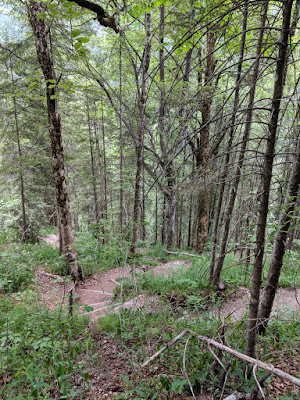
(266, 177)
(279, 247)
(58, 164)
(142, 100)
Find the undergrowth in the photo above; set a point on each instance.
(38, 350)
(143, 333)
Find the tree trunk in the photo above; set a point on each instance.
(93, 166)
(279, 247)
(141, 131)
(25, 232)
(236, 181)
(170, 206)
(20, 154)
(58, 165)
(180, 211)
(156, 216)
(203, 151)
(190, 223)
(121, 216)
(105, 201)
(100, 173)
(291, 235)
(266, 179)
(143, 211)
(230, 140)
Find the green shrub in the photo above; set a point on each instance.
(38, 350)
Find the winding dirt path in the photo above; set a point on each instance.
(97, 292)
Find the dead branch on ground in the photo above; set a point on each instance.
(257, 363)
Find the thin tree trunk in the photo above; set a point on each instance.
(203, 152)
(190, 223)
(236, 181)
(24, 220)
(230, 140)
(179, 241)
(279, 247)
(93, 166)
(266, 179)
(168, 228)
(100, 172)
(156, 216)
(75, 215)
(20, 154)
(143, 210)
(121, 217)
(291, 235)
(141, 128)
(163, 221)
(104, 210)
(58, 165)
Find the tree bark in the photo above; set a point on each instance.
(58, 165)
(279, 247)
(266, 179)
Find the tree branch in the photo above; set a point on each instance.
(102, 16)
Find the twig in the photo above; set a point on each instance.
(165, 347)
(52, 276)
(267, 367)
(184, 369)
(216, 357)
(258, 384)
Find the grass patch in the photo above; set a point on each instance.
(38, 350)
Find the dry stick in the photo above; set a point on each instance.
(256, 380)
(254, 361)
(184, 369)
(165, 347)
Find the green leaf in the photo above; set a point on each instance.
(75, 33)
(42, 15)
(77, 45)
(88, 308)
(83, 39)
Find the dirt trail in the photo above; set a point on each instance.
(97, 291)
(286, 300)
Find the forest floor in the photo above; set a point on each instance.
(95, 297)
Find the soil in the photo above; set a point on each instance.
(97, 292)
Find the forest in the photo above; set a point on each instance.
(149, 199)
